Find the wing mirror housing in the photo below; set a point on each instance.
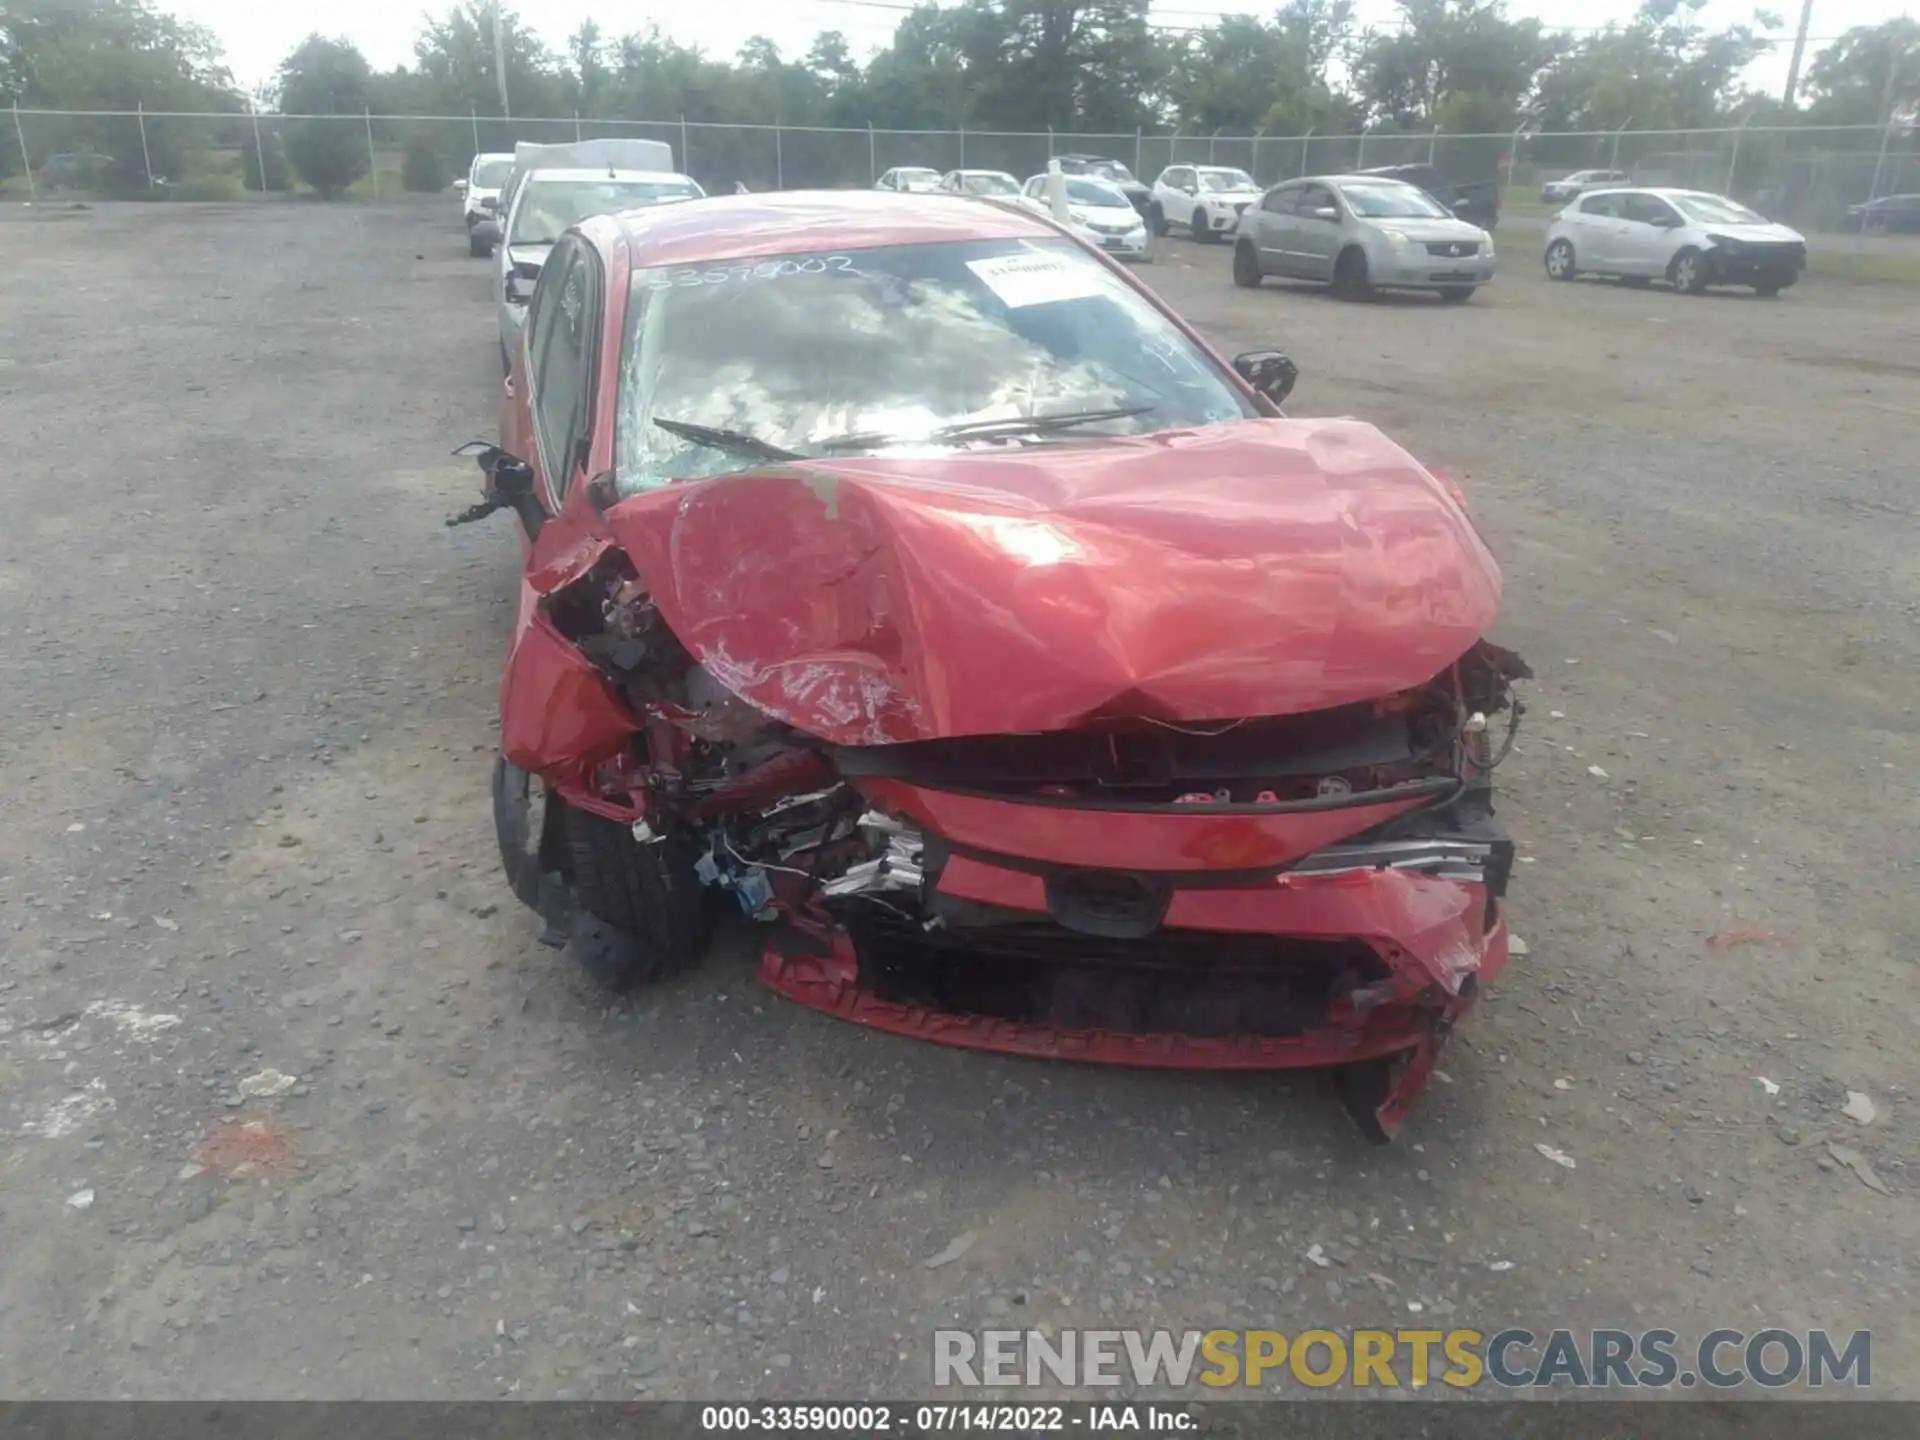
(508, 486)
(520, 287)
(460, 187)
(1270, 372)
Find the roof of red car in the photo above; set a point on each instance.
(728, 227)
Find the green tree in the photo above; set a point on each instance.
(422, 168)
(1445, 51)
(323, 78)
(121, 55)
(1868, 73)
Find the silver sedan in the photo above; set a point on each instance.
(1360, 233)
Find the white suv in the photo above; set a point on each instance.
(1207, 199)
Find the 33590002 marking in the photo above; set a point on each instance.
(776, 1419)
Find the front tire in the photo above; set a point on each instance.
(1688, 272)
(648, 893)
(1560, 260)
(477, 246)
(1350, 280)
(1197, 226)
(1157, 219)
(1246, 266)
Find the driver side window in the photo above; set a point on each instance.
(1315, 197)
(1648, 210)
(1280, 202)
(564, 323)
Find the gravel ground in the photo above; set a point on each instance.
(249, 712)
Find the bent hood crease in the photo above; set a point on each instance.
(1264, 567)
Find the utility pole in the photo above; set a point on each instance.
(1799, 52)
(500, 59)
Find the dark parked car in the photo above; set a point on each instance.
(1899, 214)
(1478, 202)
(902, 573)
(74, 172)
(1105, 167)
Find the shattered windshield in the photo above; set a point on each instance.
(892, 345)
(547, 209)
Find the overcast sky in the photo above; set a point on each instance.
(257, 35)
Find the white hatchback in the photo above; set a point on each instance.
(1688, 238)
(1099, 211)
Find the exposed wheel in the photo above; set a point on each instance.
(477, 246)
(1156, 218)
(1197, 225)
(1362, 1089)
(524, 822)
(1457, 294)
(1560, 260)
(647, 893)
(1350, 275)
(1688, 272)
(1246, 266)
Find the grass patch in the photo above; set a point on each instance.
(1865, 267)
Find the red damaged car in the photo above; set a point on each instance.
(902, 569)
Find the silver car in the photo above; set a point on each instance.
(1360, 233)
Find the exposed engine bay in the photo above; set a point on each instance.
(1311, 889)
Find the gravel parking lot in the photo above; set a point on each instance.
(249, 713)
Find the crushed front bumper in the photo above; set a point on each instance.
(1246, 942)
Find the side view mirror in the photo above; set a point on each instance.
(460, 187)
(519, 287)
(509, 486)
(1268, 371)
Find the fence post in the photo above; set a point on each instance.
(873, 169)
(1879, 165)
(1432, 141)
(1211, 139)
(1614, 162)
(686, 150)
(1136, 152)
(1306, 144)
(779, 161)
(146, 158)
(1256, 157)
(373, 158)
(1513, 154)
(576, 127)
(1049, 142)
(1360, 160)
(26, 160)
(963, 144)
(259, 148)
(1734, 163)
(474, 116)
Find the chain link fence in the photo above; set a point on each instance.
(1805, 175)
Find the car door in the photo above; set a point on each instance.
(1273, 221)
(563, 335)
(1598, 233)
(1316, 232)
(1648, 230)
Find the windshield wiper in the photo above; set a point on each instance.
(989, 429)
(733, 442)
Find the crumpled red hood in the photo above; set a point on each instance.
(1265, 567)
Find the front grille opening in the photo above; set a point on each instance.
(1186, 982)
